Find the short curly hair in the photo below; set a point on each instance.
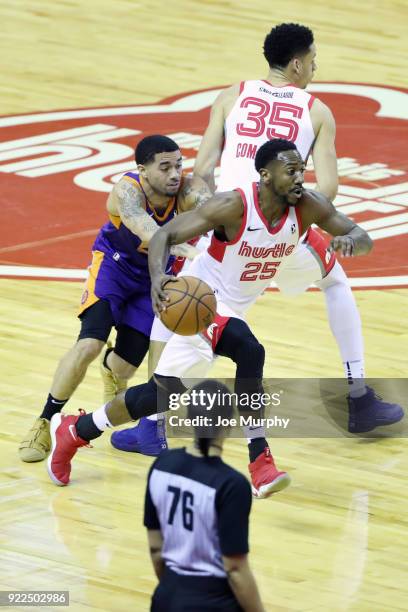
(150, 145)
(284, 42)
(270, 150)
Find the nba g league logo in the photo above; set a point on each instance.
(57, 167)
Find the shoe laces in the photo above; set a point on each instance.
(267, 456)
(372, 392)
(38, 432)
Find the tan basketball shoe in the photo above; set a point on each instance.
(37, 443)
(112, 384)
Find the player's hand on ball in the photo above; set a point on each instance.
(344, 244)
(160, 297)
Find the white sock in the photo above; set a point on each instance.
(100, 419)
(345, 324)
(251, 433)
(354, 371)
(152, 417)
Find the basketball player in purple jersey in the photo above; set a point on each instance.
(117, 291)
(248, 114)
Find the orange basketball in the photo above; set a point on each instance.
(191, 308)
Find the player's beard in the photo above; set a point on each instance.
(171, 194)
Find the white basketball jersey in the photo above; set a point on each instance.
(240, 270)
(260, 113)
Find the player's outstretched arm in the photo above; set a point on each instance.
(224, 209)
(348, 238)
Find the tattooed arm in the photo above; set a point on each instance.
(193, 194)
(127, 201)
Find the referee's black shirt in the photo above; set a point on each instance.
(201, 506)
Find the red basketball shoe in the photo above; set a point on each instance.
(64, 444)
(266, 479)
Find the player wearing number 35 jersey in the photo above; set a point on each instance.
(259, 113)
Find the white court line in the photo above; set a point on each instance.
(32, 271)
(79, 274)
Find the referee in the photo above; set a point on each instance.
(196, 513)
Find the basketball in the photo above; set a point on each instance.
(191, 308)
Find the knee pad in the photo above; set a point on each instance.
(141, 400)
(96, 321)
(153, 396)
(250, 352)
(250, 360)
(131, 345)
(239, 344)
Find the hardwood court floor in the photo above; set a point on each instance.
(335, 540)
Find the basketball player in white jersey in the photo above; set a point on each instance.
(246, 115)
(256, 229)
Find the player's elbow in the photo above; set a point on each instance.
(204, 172)
(235, 564)
(369, 242)
(331, 191)
(144, 231)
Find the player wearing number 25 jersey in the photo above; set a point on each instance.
(239, 270)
